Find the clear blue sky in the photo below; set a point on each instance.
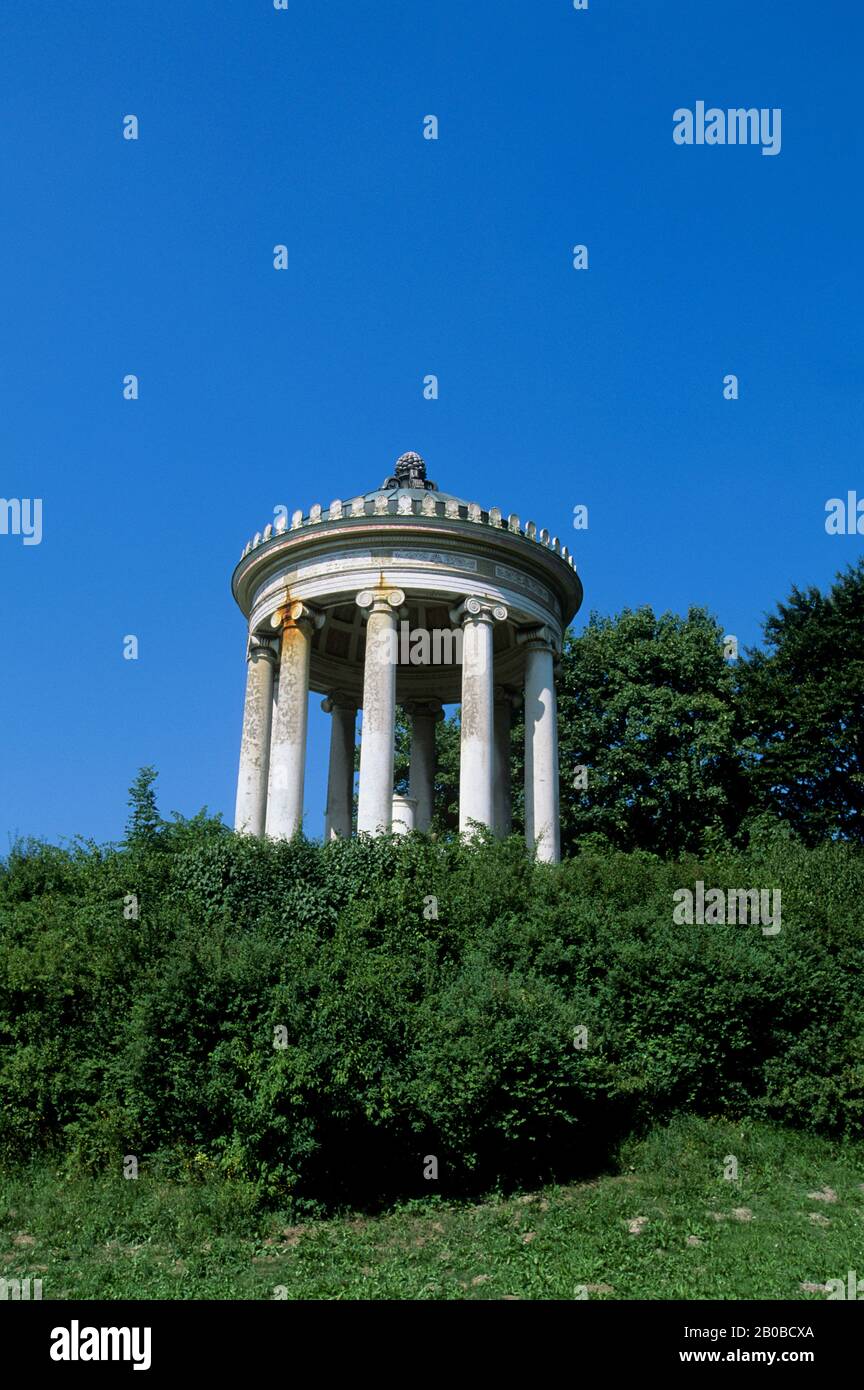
(407, 257)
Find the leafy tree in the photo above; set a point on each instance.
(647, 707)
(144, 823)
(804, 702)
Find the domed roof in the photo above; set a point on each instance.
(408, 498)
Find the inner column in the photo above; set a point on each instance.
(504, 701)
(424, 716)
(340, 779)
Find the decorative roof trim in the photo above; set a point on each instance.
(403, 505)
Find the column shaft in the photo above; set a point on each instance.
(288, 742)
(378, 733)
(541, 754)
(340, 779)
(476, 749)
(421, 776)
(251, 805)
(502, 775)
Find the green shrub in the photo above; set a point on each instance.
(429, 994)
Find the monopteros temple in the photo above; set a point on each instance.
(403, 596)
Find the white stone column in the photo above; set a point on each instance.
(251, 805)
(288, 741)
(378, 732)
(275, 691)
(340, 778)
(424, 715)
(476, 753)
(502, 778)
(542, 823)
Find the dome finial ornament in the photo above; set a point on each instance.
(410, 472)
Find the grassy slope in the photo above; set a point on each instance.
(111, 1238)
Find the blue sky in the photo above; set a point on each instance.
(406, 257)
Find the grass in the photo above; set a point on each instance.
(702, 1235)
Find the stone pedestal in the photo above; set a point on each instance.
(404, 815)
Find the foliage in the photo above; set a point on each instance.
(706, 1235)
(803, 699)
(647, 705)
(144, 822)
(429, 992)
(686, 751)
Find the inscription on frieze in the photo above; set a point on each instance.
(437, 557)
(504, 572)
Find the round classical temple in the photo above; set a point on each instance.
(406, 596)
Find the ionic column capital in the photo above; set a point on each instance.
(432, 708)
(337, 699)
(261, 647)
(295, 614)
(541, 638)
(380, 600)
(477, 610)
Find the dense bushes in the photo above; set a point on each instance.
(429, 995)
